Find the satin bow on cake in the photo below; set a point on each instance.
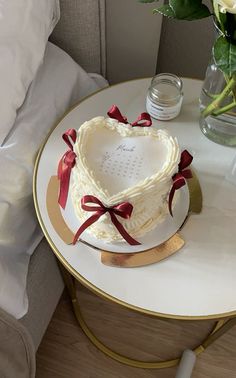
(65, 166)
(124, 210)
(143, 120)
(179, 179)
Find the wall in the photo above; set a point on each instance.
(133, 34)
(185, 47)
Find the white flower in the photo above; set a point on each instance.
(227, 6)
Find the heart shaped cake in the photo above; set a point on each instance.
(118, 163)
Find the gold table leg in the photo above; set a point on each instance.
(221, 327)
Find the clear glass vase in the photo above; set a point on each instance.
(221, 128)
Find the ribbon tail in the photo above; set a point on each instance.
(85, 225)
(122, 231)
(64, 186)
(59, 168)
(171, 196)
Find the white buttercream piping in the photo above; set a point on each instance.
(148, 197)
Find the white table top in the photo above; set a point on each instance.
(197, 282)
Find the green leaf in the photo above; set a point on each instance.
(189, 9)
(224, 54)
(147, 1)
(165, 10)
(182, 9)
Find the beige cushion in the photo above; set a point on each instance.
(17, 354)
(81, 33)
(44, 288)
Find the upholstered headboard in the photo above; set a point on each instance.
(81, 33)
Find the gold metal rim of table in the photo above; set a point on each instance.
(78, 276)
(221, 327)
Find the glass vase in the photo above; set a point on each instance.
(219, 128)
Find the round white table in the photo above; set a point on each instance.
(199, 281)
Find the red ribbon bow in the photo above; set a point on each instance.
(179, 179)
(143, 120)
(65, 165)
(123, 209)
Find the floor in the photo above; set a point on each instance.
(65, 351)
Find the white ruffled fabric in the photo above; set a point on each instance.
(25, 26)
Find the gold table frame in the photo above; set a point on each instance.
(219, 329)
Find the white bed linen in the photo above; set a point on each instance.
(59, 83)
(25, 26)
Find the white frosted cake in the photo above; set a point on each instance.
(120, 163)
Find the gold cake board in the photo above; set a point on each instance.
(129, 260)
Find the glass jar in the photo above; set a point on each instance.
(165, 96)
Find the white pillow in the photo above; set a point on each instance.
(59, 83)
(25, 26)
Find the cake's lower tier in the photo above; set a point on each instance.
(149, 210)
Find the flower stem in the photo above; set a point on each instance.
(233, 91)
(224, 109)
(212, 107)
(213, 96)
(217, 14)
